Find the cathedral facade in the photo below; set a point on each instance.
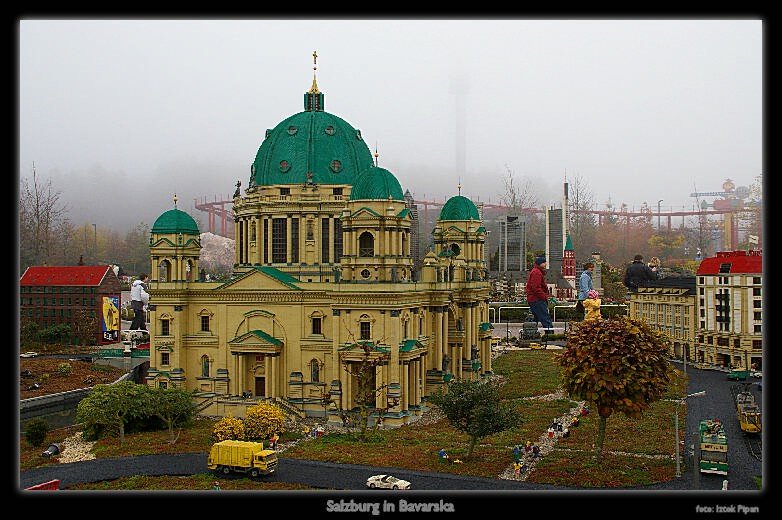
(323, 280)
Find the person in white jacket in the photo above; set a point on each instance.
(138, 299)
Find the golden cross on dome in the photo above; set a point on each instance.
(175, 199)
(314, 89)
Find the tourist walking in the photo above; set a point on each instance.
(537, 294)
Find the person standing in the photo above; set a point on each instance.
(537, 294)
(638, 273)
(656, 266)
(592, 306)
(584, 286)
(138, 299)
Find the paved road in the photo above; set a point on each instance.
(717, 403)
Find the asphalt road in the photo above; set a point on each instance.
(349, 478)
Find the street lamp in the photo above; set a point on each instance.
(658, 214)
(676, 424)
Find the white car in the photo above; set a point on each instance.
(28, 354)
(387, 482)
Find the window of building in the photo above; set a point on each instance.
(756, 291)
(757, 344)
(165, 269)
(265, 241)
(204, 366)
(295, 239)
(316, 325)
(722, 342)
(366, 245)
(725, 267)
(204, 323)
(757, 304)
(325, 241)
(365, 327)
(710, 340)
(757, 316)
(337, 240)
(314, 371)
(279, 240)
(165, 327)
(163, 384)
(757, 329)
(756, 280)
(165, 358)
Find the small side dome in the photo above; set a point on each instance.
(459, 208)
(376, 183)
(175, 221)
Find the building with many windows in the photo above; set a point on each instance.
(714, 317)
(324, 273)
(80, 296)
(730, 309)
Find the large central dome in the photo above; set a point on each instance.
(311, 146)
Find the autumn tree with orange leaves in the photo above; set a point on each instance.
(618, 364)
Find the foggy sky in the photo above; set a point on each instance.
(122, 115)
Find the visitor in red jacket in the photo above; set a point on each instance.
(537, 294)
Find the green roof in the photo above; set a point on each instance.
(459, 208)
(279, 276)
(568, 244)
(376, 183)
(310, 142)
(175, 221)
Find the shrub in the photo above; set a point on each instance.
(64, 369)
(36, 431)
(228, 428)
(263, 420)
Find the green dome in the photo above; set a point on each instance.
(175, 221)
(376, 183)
(313, 142)
(459, 208)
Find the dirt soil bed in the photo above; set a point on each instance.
(83, 375)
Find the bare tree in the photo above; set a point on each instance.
(517, 196)
(582, 222)
(40, 214)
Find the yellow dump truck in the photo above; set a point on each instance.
(242, 457)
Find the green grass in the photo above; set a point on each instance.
(636, 452)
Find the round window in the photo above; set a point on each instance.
(336, 166)
(284, 166)
(365, 273)
(329, 130)
(292, 130)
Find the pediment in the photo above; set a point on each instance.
(265, 278)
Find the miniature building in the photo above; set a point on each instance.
(79, 296)
(324, 276)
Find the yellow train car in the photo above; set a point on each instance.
(748, 412)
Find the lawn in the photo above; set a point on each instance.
(636, 452)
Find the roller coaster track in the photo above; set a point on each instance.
(753, 441)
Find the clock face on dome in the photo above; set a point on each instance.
(728, 185)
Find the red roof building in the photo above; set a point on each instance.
(86, 298)
(730, 309)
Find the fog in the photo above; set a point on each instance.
(122, 115)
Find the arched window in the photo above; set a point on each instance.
(366, 244)
(188, 270)
(315, 371)
(365, 327)
(165, 269)
(205, 365)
